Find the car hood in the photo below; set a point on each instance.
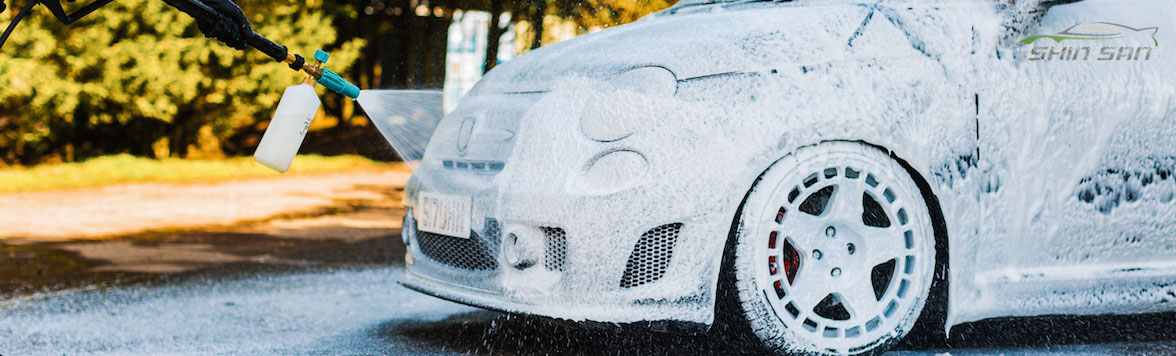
(722, 40)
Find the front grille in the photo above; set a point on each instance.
(651, 256)
(479, 252)
(557, 248)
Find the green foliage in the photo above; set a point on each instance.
(137, 76)
(607, 13)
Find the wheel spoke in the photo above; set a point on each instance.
(858, 295)
(846, 202)
(807, 291)
(882, 244)
(800, 222)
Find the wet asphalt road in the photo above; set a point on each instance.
(358, 309)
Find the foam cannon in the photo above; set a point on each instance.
(296, 110)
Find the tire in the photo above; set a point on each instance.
(819, 271)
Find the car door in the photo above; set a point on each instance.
(1078, 144)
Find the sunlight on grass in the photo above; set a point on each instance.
(117, 169)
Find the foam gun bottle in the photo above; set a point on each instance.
(296, 111)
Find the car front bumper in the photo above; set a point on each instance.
(626, 271)
(619, 231)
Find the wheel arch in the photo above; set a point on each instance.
(934, 316)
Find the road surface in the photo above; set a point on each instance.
(320, 278)
(362, 311)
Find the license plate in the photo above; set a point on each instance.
(444, 214)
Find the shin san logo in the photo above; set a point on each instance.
(1126, 43)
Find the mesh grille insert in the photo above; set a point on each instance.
(557, 248)
(651, 256)
(479, 252)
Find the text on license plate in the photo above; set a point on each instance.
(444, 214)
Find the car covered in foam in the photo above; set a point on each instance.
(825, 173)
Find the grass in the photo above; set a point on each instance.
(108, 170)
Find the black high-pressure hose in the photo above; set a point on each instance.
(273, 50)
(15, 20)
(55, 8)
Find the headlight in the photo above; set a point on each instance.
(632, 100)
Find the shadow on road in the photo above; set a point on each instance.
(350, 232)
(485, 332)
(1054, 331)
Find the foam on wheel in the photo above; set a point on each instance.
(834, 252)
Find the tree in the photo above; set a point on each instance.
(493, 34)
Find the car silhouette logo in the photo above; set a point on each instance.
(464, 133)
(1098, 31)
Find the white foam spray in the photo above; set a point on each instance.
(406, 119)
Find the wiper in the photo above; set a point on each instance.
(715, 2)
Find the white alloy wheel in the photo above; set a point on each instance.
(834, 252)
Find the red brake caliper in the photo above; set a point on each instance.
(791, 259)
(791, 263)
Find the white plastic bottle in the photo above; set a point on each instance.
(286, 130)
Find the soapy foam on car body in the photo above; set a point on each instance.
(907, 78)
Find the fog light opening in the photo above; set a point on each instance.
(521, 248)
